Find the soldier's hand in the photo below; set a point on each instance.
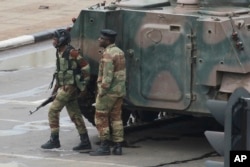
(53, 96)
(101, 95)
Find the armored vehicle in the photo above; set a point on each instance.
(179, 54)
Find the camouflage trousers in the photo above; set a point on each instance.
(66, 96)
(108, 115)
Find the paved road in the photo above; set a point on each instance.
(25, 85)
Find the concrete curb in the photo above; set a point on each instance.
(16, 42)
(27, 39)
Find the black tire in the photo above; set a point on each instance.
(125, 115)
(147, 116)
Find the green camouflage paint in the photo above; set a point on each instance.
(178, 55)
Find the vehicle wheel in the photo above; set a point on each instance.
(125, 115)
(147, 116)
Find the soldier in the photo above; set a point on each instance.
(111, 90)
(72, 75)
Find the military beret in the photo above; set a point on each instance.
(108, 33)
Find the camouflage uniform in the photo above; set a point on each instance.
(72, 75)
(111, 90)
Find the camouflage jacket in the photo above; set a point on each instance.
(72, 69)
(112, 72)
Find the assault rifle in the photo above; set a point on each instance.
(50, 99)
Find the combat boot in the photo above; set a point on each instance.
(85, 143)
(104, 149)
(117, 149)
(52, 143)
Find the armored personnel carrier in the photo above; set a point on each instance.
(179, 54)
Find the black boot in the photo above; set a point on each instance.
(52, 143)
(104, 149)
(85, 143)
(117, 149)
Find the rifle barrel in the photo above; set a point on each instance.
(50, 99)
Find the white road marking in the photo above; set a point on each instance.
(12, 164)
(64, 160)
(12, 120)
(21, 102)
(40, 125)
